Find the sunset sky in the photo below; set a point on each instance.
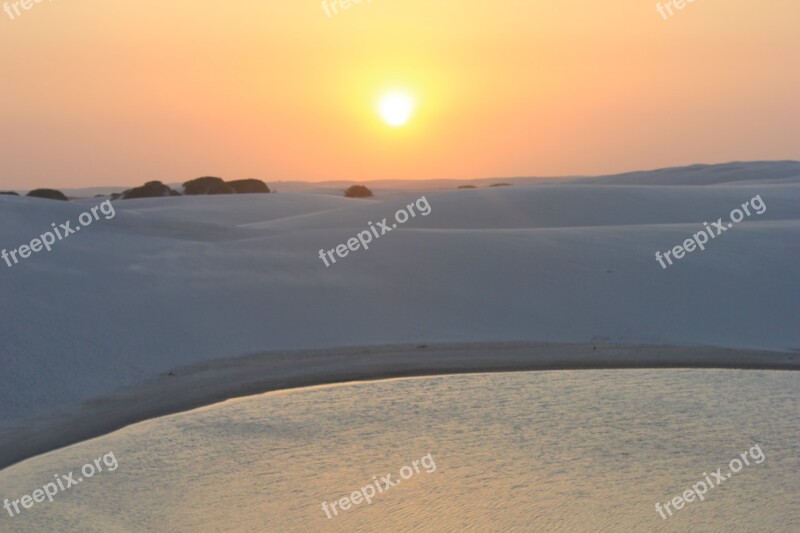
(125, 91)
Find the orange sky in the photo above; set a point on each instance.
(125, 91)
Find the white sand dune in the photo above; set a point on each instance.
(177, 281)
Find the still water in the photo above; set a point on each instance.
(533, 451)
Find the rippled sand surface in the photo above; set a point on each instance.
(536, 451)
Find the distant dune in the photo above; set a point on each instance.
(178, 281)
(774, 171)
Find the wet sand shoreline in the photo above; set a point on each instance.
(210, 382)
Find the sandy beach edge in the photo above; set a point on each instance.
(210, 382)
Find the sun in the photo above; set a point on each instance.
(395, 108)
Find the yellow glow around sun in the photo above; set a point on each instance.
(396, 108)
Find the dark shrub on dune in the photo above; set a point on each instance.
(207, 185)
(151, 189)
(9, 193)
(248, 186)
(357, 191)
(50, 194)
(500, 185)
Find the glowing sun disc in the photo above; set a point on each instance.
(396, 108)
